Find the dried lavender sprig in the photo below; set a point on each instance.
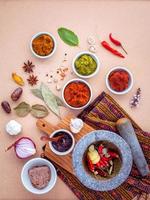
(136, 98)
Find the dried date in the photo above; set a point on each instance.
(16, 94)
(6, 107)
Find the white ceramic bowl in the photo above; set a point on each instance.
(93, 56)
(26, 180)
(38, 34)
(58, 152)
(130, 80)
(74, 80)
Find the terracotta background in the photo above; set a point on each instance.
(19, 20)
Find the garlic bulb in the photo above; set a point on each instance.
(76, 125)
(13, 127)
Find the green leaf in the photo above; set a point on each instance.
(59, 101)
(50, 99)
(39, 111)
(68, 36)
(37, 93)
(22, 109)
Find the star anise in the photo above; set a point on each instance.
(28, 67)
(32, 80)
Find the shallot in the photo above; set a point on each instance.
(24, 147)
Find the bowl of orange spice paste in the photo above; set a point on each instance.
(43, 45)
(77, 94)
(119, 80)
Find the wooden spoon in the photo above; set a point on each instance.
(53, 139)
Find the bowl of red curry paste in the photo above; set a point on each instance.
(119, 80)
(77, 94)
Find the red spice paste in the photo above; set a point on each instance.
(119, 80)
(77, 94)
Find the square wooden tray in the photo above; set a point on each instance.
(63, 161)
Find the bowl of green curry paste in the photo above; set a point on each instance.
(85, 64)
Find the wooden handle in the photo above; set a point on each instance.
(53, 139)
(45, 126)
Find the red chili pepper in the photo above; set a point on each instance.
(113, 154)
(116, 42)
(100, 164)
(109, 48)
(102, 173)
(106, 159)
(100, 149)
(90, 165)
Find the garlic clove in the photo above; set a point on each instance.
(92, 49)
(55, 80)
(104, 151)
(91, 40)
(76, 125)
(58, 87)
(74, 130)
(49, 81)
(13, 127)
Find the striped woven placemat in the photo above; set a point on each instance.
(102, 113)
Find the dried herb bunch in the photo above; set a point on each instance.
(136, 98)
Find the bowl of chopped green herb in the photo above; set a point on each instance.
(85, 64)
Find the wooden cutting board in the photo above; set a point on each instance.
(63, 161)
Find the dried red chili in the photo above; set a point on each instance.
(113, 154)
(119, 80)
(112, 50)
(102, 172)
(90, 165)
(100, 149)
(116, 42)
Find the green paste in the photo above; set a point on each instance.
(85, 65)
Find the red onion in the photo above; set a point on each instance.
(24, 147)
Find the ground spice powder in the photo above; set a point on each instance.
(119, 80)
(43, 45)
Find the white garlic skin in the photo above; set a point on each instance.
(91, 40)
(76, 125)
(58, 87)
(49, 81)
(92, 49)
(13, 127)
